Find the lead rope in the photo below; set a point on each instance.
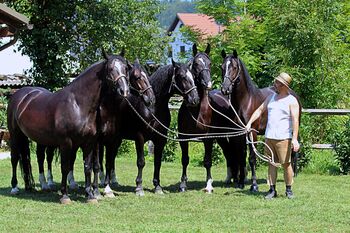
(196, 136)
(250, 140)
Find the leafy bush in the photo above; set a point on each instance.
(169, 152)
(342, 149)
(3, 104)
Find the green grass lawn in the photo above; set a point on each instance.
(322, 204)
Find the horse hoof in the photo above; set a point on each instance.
(140, 193)
(182, 189)
(45, 188)
(92, 201)
(65, 200)
(52, 187)
(14, 191)
(228, 182)
(254, 188)
(109, 195)
(240, 186)
(159, 191)
(208, 191)
(73, 186)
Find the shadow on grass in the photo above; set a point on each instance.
(46, 196)
(200, 185)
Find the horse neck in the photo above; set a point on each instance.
(160, 82)
(87, 86)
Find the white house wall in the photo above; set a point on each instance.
(177, 42)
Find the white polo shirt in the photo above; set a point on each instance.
(279, 121)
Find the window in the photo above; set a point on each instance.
(182, 49)
(170, 52)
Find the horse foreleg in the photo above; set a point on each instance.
(224, 144)
(111, 151)
(140, 164)
(252, 163)
(185, 161)
(65, 166)
(40, 153)
(158, 150)
(96, 169)
(88, 161)
(71, 181)
(242, 154)
(208, 146)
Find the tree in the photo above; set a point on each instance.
(69, 35)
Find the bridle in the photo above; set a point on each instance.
(140, 92)
(173, 84)
(232, 81)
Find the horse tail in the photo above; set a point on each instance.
(24, 162)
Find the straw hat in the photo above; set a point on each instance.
(284, 78)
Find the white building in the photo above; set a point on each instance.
(203, 24)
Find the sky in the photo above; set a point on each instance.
(13, 63)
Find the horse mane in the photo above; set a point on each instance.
(160, 78)
(251, 86)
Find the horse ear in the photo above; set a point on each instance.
(235, 55)
(137, 61)
(207, 50)
(223, 53)
(174, 63)
(194, 49)
(130, 66)
(122, 53)
(105, 55)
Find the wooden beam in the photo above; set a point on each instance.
(327, 111)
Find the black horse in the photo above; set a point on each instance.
(67, 118)
(245, 98)
(116, 120)
(192, 120)
(165, 82)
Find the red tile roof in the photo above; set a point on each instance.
(205, 24)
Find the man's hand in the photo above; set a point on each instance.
(295, 145)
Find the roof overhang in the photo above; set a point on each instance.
(13, 19)
(12, 22)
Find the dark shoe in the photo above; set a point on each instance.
(271, 194)
(289, 194)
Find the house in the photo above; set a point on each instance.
(200, 23)
(11, 22)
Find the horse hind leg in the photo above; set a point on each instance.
(25, 164)
(15, 156)
(50, 152)
(40, 153)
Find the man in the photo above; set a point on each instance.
(281, 133)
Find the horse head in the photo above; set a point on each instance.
(117, 73)
(183, 82)
(200, 66)
(139, 84)
(231, 70)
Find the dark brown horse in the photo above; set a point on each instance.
(200, 65)
(67, 118)
(165, 82)
(245, 97)
(114, 120)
